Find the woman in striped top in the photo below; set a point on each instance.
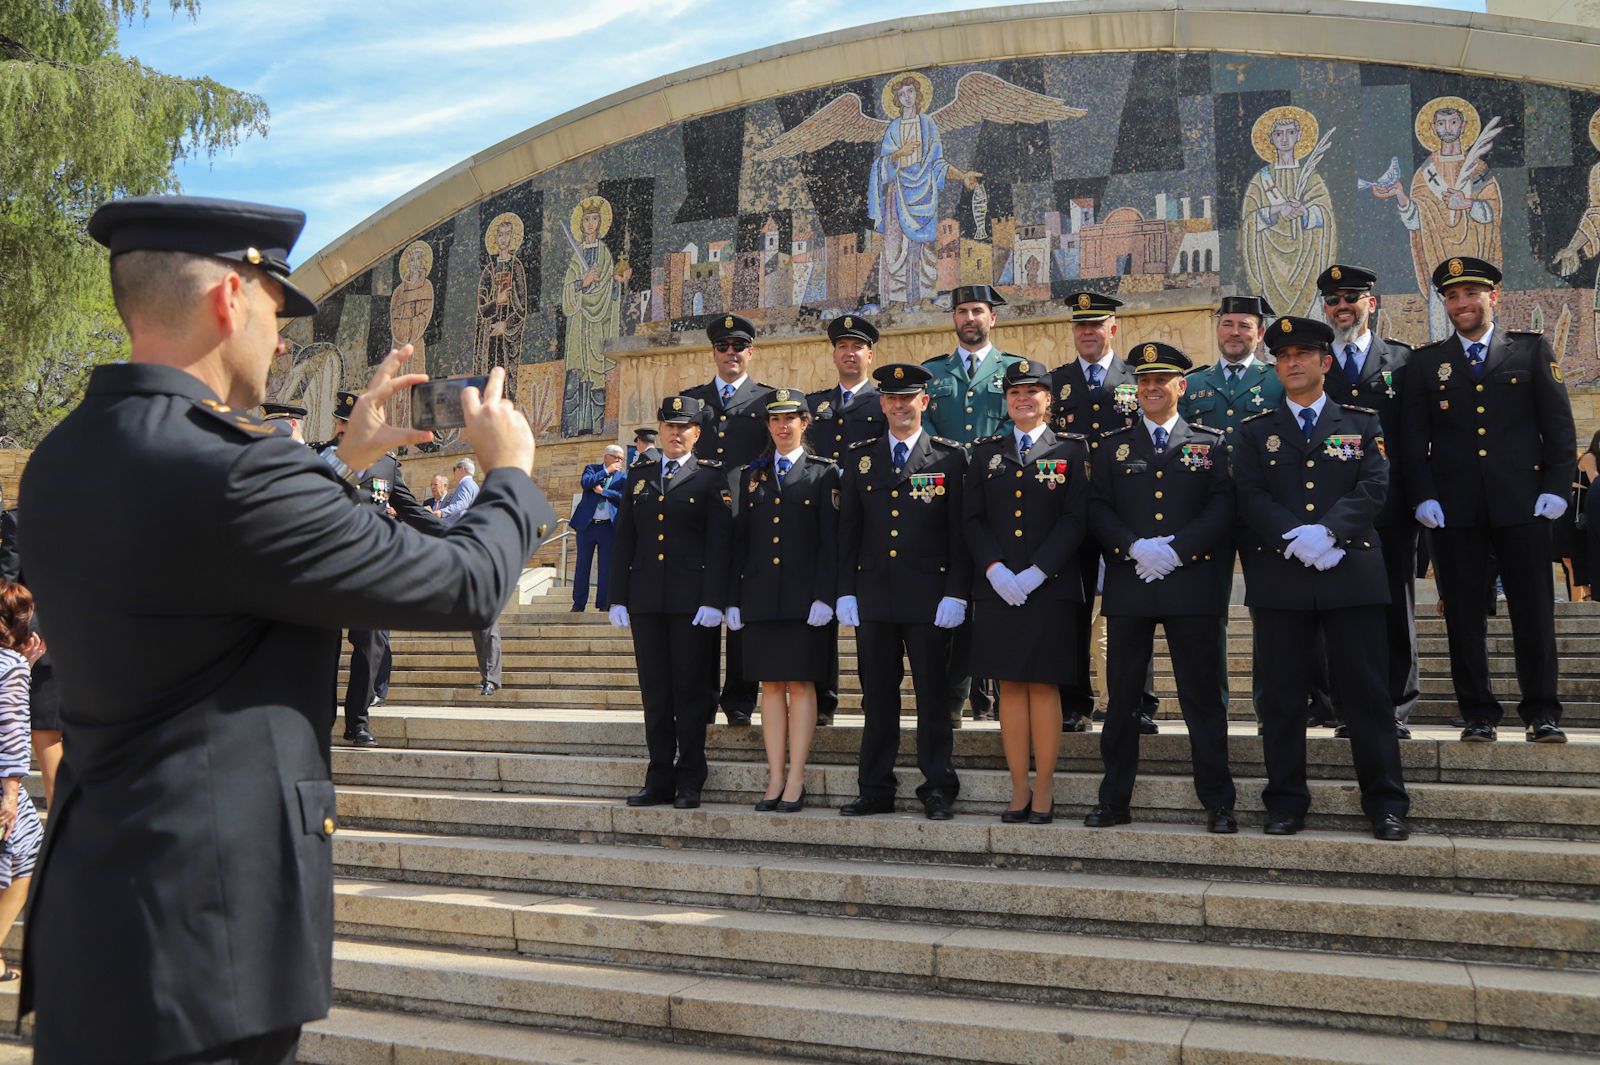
(20, 830)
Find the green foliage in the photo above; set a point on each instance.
(81, 124)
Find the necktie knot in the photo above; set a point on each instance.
(672, 467)
(1233, 373)
(1094, 376)
(1160, 436)
(1475, 357)
(844, 397)
(1023, 445)
(1308, 421)
(727, 393)
(784, 465)
(901, 453)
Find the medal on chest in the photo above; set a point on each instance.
(925, 486)
(1343, 446)
(1125, 398)
(1051, 472)
(380, 491)
(1196, 456)
(1388, 383)
(1256, 399)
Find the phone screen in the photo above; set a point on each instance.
(436, 404)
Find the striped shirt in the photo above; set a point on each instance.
(21, 848)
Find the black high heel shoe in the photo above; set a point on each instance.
(786, 807)
(1041, 817)
(1019, 815)
(766, 806)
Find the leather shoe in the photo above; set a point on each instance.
(1221, 822)
(644, 798)
(488, 688)
(689, 800)
(1341, 731)
(1284, 824)
(1075, 723)
(1103, 816)
(1543, 731)
(1147, 725)
(1401, 731)
(360, 738)
(794, 806)
(766, 806)
(1041, 817)
(824, 719)
(1478, 732)
(937, 807)
(737, 717)
(1390, 827)
(1098, 715)
(1017, 816)
(863, 806)
(576, 610)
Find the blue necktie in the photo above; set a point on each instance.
(784, 466)
(1351, 370)
(1160, 435)
(1023, 445)
(672, 468)
(1308, 419)
(1475, 356)
(901, 453)
(844, 398)
(1094, 377)
(727, 393)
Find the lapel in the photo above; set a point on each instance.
(920, 456)
(1070, 376)
(742, 394)
(956, 368)
(686, 467)
(1331, 423)
(1119, 374)
(1180, 435)
(795, 475)
(1043, 441)
(651, 475)
(867, 390)
(1455, 354)
(989, 367)
(1219, 369)
(1288, 429)
(1499, 351)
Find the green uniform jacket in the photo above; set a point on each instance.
(962, 408)
(1210, 402)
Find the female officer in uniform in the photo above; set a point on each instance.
(1026, 510)
(669, 582)
(785, 561)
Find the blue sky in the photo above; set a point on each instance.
(368, 101)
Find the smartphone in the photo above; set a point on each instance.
(436, 404)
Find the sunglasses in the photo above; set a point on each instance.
(731, 345)
(1336, 298)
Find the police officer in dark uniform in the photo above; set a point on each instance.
(1490, 453)
(1311, 478)
(1161, 502)
(904, 581)
(382, 486)
(733, 430)
(184, 896)
(644, 443)
(287, 418)
(669, 582)
(1369, 371)
(845, 414)
(1094, 394)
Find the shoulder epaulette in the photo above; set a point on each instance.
(1359, 410)
(1076, 436)
(1200, 369)
(936, 358)
(1253, 417)
(947, 443)
(864, 443)
(1108, 432)
(641, 459)
(1525, 332)
(1433, 344)
(1193, 428)
(1396, 341)
(246, 421)
(824, 459)
(715, 464)
(990, 439)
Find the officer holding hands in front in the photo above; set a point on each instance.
(1161, 502)
(669, 583)
(1311, 478)
(904, 582)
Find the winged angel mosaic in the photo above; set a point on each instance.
(910, 171)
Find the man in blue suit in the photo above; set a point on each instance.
(593, 519)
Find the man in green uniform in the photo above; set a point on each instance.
(1238, 384)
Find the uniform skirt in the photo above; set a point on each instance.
(1030, 643)
(785, 650)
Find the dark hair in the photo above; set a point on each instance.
(1594, 444)
(769, 454)
(16, 615)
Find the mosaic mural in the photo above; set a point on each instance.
(1142, 175)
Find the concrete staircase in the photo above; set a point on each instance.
(497, 903)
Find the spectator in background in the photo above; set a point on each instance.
(1571, 530)
(485, 642)
(438, 492)
(644, 443)
(593, 519)
(44, 698)
(20, 648)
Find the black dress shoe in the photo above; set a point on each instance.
(1075, 723)
(766, 806)
(488, 688)
(1103, 816)
(360, 738)
(689, 800)
(1402, 731)
(1041, 817)
(1017, 816)
(824, 719)
(1478, 732)
(644, 798)
(1098, 715)
(786, 806)
(576, 610)
(1284, 824)
(1147, 725)
(1221, 822)
(863, 807)
(1341, 731)
(937, 807)
(738, 717)
(1390, 827)
(1543, 731)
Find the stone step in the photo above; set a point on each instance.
(1427, 862)
(1546, 933)
(369, 1037)
(835, 1023)
(1433, 754)
(1440, 999)
(1472, 809)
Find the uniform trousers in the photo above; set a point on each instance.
(380, 684)
(1319, 704)
(1287, 639)
(880, 646)
(594, 539)
(827, 681)
(1190, 639)
(1399, 544)
(486, 645)
(367, 650)
(1078, 697)
(677, 680)
(274, 1048)
(1461, 559)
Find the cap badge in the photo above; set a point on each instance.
(848, 323)
(1456, 268)
(727, 323)
(899, 374)
(253, 255)
(677, 404)
(1286, 326)
(1083, 301)
(1149, 353)
(1336, 273)
(782, 395)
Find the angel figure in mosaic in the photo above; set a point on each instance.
(1287, 232)
(911, 170)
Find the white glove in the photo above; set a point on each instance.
(848, 611)
(1146, 574)
(1030, 579)
(1549, 506)
(1166, 555)
(1329, 559)
(1306, 542)
(951, 613)
(1004, 582)
(735, 619)
(1430, 514)
(619, 616)
(1154, 555)
(708, 617)
(821, 614)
